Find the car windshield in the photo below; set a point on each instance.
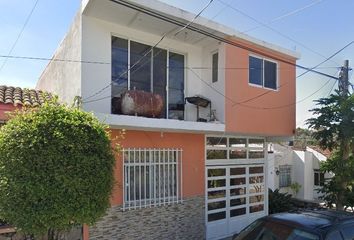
(267, 230)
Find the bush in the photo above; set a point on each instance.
(56, 169)
(279, 202)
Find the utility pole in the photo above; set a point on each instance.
(345, 142)
(343, 84)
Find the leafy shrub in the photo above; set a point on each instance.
(279, 202)
(56, 169)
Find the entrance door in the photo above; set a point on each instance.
(235, 197)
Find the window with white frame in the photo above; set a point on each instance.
(318, 178)
(263, 72)
(234, 148)
(137, 66)
(284, 175)
(215, 65)
(152, 177)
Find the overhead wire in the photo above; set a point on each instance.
(272, 29)
(109, 63)
(19, 34)
(286, 15)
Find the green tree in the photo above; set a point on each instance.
(334, 130)
(56, 169)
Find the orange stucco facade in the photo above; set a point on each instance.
(193, 158)
(272, 114)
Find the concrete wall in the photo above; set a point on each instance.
(215, 91)
(308, 176)
(96, 45)
(193, 160)
(64, 77)
(257, 116)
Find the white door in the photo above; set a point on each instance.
(235, 198)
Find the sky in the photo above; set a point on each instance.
(314, 28)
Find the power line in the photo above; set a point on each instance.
(272, 29)
(286, 14)
(259, 108)
(109, 63)
(269, 91)
(20, 34)
(334, 54)
(161, 39)
(234, 102)
(211, 35)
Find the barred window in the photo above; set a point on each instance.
(284, 175)
(152, 177)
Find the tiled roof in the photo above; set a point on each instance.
(18, 96)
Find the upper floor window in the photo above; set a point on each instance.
(157, 71)
(263, 72)
(215, 62)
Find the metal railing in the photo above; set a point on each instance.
(152, 177)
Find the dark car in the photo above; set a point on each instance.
(301, 225)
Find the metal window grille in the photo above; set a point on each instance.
(284, 175)
(152, 177)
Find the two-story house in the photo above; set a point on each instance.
(198, 110)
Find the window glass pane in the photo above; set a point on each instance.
(256, 154)
(256, 189)
(237, 212)
(216, 154)
(237, 142)
(316, 179)
(254, 170)
(216, 216)
(256, 208)
(258, 179)
(270, 75)
(255, 71)
(284, 175)
(140, 74)
(119, 71)
(216, 142)
(258, 198)
(176, 86)
(238, 154)
(216, 194)
(237, 191)
(216, 205)
(256, 143)
(237, 181)
(237, 171)
(216, 183)
(237, 202)
(160, 75)
(215, 67)
(216, 172)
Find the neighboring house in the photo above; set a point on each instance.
(177, 178)
(12, 98)
(288, 165)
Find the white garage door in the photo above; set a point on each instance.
(235, 193)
